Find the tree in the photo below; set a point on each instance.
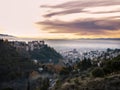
(112, 65)
(84, 64)
(12, 64)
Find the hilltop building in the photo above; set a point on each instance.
(30, 46)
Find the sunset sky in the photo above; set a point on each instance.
(60, 19)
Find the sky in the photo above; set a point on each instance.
(60, 19)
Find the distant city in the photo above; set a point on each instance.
(74, 56)
(71, 56)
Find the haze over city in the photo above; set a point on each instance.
(59, 44)
(60, 19)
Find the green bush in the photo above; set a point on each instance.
(98, 72)
(112, 65)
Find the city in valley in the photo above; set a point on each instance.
(59, 44)
(50, 67)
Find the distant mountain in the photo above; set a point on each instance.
(6, 36)
(107, 39)
(99, 39)
(84, 39)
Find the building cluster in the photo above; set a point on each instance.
(74, 56)
(30, 46)
(71, 57)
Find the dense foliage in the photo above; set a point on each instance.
(113, 65)
(43, 84)
(110, 66)
(98, 72)
(45, 54)
(12, 65)
(84, 64)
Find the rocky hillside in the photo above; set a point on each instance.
(107, 83)
(106, 77)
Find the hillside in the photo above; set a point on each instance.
(111, 82)
(46, 55)
(16, 65)
(12, 65)
(5, 35)
(106, 77)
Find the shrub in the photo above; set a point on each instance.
(98, 72)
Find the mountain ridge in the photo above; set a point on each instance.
(11, 36)
(6, 35)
